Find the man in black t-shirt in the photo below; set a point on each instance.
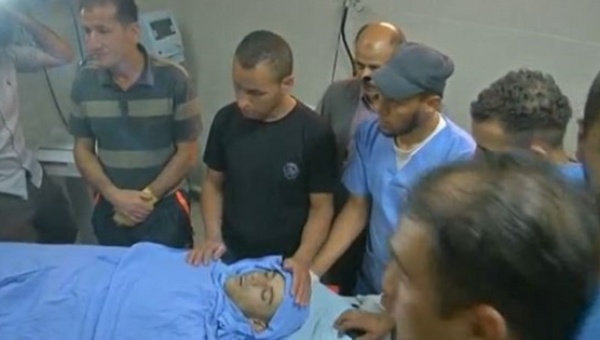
(271, 167)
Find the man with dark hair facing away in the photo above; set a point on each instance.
(271, 167)
(525, 110)
(500, 248)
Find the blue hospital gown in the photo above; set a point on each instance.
(590, 329)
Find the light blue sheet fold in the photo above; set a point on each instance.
(155, 294)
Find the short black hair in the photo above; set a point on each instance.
(591, 111)
(266, 47)
(508, 232)
(126, 10)
(525, 102)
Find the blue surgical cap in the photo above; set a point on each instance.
(288, 318)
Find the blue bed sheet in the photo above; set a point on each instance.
(145, 292)
(85, 292)
(41, 299)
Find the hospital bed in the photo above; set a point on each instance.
(105, 311)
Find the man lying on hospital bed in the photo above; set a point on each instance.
(148, 291)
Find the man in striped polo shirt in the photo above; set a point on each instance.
(136, 122)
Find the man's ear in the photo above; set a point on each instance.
(488, 323)
(287, 84)
(258, 325)
(433, 103)
(134, 31)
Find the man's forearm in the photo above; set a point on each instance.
(173, 173)
(346, 228)
(44, 37)
(212, 210)
(92, 172)
(315, 232)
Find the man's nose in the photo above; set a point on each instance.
(366, 74)
(92, 42)
(242, 101)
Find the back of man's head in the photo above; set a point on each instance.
(266, 47)
(126, 10)
(508, 233)
(527, 104)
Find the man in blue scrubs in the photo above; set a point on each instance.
(525, 109)
(408, 138)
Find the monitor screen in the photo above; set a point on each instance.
(162, 28)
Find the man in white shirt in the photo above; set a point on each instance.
(32, 207)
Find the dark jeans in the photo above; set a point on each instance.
(168, 224)
(45, 216)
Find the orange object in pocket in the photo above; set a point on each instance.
(183, 202)
(334, 288)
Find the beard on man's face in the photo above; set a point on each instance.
(389, 130)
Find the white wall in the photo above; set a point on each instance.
(39, 115)
(485, 38)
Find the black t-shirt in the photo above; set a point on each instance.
(270, 169)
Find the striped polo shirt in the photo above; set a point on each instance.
(136, 130)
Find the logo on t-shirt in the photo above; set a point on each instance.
(291, 171)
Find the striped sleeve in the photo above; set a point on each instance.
(188, 120)
(79, 125)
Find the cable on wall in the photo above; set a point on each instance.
(78, 35)
(76, 27)
(342, 38)
(60, 112)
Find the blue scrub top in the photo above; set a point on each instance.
(573, 172)
(373, 172)
(591, 326)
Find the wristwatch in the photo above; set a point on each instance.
(153, 198)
